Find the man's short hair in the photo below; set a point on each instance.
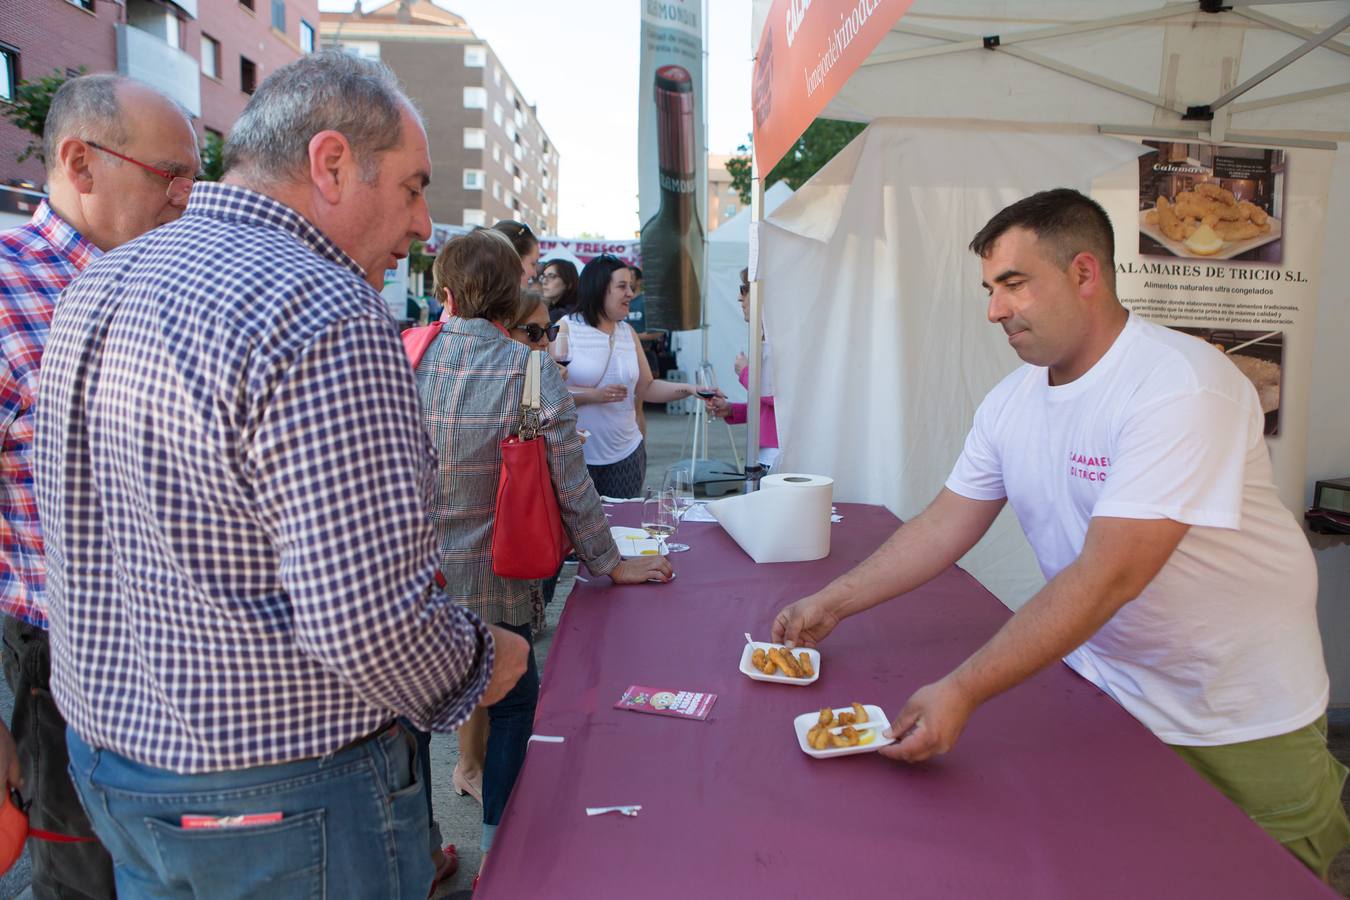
(87, 108)
(328, 91)
(1065, 223)
(482, 271)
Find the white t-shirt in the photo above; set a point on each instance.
(613, 426)
(1222, 646)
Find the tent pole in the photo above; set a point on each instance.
(755, 351)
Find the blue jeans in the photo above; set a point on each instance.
(511, 722)
(354, 824)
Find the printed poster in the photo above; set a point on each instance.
(1224, 242)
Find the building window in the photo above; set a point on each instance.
(497, 75)
(247, 4)
(475, 56)
(475, 98)
(248, 75)
(497, 113)
(173, 31)
(306, 37)
(83, 4)
(475, 218)
(279, 15)
(210, 57)
(496, 189)
(473, 179)
(475, 139)
(9, 73)
(496, 152)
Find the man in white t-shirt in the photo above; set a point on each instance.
(1134, 459)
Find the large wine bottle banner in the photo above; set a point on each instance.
(672, 176)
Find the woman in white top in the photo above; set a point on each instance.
(610, 379)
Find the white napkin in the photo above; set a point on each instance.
(697, 513)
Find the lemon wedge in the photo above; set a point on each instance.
(649, 553)
(1204, 242)
(867, 737)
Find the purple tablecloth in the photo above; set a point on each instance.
(1053, 791)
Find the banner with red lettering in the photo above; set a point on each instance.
(807, 52)
(581, 251)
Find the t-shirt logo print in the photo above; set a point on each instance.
(1089, 466)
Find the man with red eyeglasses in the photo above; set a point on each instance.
(120, 160)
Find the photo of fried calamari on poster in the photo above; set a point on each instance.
(1201, 201)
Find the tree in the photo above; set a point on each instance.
(213, 158)
(818, 145)
(32, 99)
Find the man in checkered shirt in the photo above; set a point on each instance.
(120, 159)
(232, 477)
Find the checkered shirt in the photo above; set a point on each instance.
(37, 261)
(470, 381)
(233, 482)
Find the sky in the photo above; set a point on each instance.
(581, 70)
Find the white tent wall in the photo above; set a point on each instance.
(881, 346)
(1329, 427)
(728, 253)
(1185, 59)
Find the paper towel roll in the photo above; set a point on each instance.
(786, 520)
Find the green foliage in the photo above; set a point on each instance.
(418, 258)
(822, 139)
(213, 158)
(32, 99)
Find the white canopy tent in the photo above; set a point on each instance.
(984, 100)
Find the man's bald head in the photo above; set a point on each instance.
(111, 146)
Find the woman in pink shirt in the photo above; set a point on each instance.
(736, 413)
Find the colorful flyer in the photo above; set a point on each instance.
(681, 704)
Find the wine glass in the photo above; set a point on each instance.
(705, 381)
(658, 516)
(560, 348)
(681, 490)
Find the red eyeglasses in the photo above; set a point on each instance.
(180, 186)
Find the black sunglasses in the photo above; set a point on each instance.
(535, 332)
(745, 289)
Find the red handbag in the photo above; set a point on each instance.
(528, 540)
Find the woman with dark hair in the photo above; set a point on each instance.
(526, 245)
(469, 382)
(558, 282)
(610, 379)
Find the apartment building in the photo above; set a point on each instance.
(491, 158)
(723, 201)
(209, 55)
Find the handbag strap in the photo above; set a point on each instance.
(528, 429)
(604, 369)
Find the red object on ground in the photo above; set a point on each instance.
(1053, 791)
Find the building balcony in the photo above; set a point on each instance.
(145, 57)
